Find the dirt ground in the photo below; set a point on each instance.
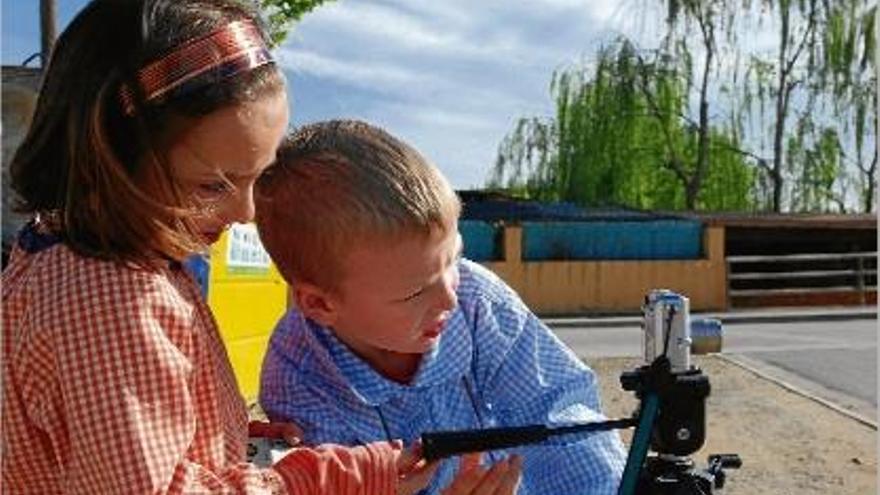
(789, 444)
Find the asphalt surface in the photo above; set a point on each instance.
(828, 352)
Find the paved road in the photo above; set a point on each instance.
(836, 360)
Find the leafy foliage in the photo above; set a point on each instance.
(790, 128)
(615, 132)
(282, 14)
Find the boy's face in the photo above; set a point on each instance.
(396, 296)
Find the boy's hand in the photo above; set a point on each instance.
(414, 471)
(473, 479)
(289, 432)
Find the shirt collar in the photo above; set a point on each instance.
(447, 361)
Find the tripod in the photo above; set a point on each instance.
(672, 421)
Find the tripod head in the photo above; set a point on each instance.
(681, 388)
(672, 413)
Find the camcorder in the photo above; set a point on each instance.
(670, 421)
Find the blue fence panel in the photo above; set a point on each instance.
(653, 240)
(200, 268)
(480, 240)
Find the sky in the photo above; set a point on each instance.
(450, 77)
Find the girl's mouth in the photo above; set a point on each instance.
(212, 236)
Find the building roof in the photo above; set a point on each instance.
(20, 75)
(493, 206)
(490, 206)
(861, 221)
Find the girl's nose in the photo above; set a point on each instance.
(240, 208)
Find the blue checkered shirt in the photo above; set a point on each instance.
(494, 365)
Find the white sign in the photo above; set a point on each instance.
(245, 249)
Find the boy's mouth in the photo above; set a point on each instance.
(435, 329)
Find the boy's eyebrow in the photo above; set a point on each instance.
(459, 251)
(415, 289)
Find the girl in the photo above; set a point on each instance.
(154, 120)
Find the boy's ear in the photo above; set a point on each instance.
(315, 303)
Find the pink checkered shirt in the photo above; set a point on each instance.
(115, 380)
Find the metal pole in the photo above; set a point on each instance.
(48, 29)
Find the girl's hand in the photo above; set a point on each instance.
(473, 479)
(289, 432)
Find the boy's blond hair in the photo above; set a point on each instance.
(339, 184)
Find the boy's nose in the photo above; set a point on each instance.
(448, 298)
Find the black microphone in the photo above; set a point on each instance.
(442, 444)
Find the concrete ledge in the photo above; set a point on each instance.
(777, 315)
(860, 413)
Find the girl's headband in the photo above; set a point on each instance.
(234, 48)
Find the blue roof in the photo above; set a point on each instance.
(492, 207)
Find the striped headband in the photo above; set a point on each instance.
(232, 49)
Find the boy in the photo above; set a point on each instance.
(393, 333)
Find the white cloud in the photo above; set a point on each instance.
(360, 73)
(444, 118)
(400, 29)
(381, 24)
(449, 76)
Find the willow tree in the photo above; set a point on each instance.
(850, 71)
(813, 94)
(618, 137)
(676, 56)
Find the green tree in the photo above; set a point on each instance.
(282, 14)
(618, 137)
(849, 47)
(815, 89)
(676, 56)
(801, 114)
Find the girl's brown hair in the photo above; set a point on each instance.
(84, 159)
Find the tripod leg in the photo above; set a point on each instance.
(638, 450)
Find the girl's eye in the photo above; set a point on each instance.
(213, 188)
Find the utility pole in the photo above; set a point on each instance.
(48, 30)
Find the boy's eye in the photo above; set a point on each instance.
(413, 296)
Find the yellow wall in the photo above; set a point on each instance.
(246, 303)
(559, 287)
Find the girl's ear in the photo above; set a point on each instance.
(315, 303)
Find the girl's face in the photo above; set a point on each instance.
(218, 158)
